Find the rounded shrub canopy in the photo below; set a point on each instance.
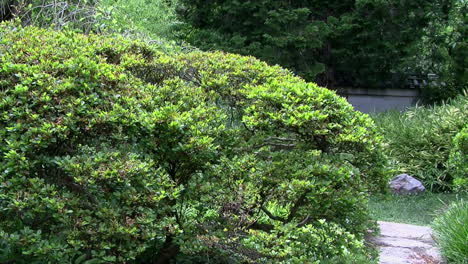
(111, 151)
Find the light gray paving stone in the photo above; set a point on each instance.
(406, 244)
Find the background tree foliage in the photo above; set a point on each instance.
(335, 43)
(443, 49)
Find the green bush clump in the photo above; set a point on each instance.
(113, 152)
(451, 231)
(419, 140)
(458, 160)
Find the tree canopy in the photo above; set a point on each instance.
(335, 43)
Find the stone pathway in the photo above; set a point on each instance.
(406, 244)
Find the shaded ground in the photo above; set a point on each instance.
(406, 244)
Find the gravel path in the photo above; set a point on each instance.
(406, 244)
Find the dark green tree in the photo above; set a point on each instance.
(334, 42)
(443, 50)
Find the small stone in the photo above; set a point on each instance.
(405, 184)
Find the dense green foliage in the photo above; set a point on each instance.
(443, 50)
(126, 17)
(148, 20)
(153, 23)
(366, 43)
(360, 43)
(458, 161)
(153, 18)
(419, 141)
(451, 233)
(111, 151)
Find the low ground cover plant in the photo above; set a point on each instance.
(451, 231)
(420, 142)
(113, 152)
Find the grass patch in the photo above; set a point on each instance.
(412, 209)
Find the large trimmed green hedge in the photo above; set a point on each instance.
(111, 151)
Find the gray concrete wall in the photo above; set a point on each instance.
(379, 100)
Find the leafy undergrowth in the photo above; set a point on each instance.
(412, 209)
(155, 20)
(419, 142)
(451, 232)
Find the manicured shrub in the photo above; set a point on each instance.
(111, 151)
(451, 233)
(458, 161)
(419, 140)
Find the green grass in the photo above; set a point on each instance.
(414, 209)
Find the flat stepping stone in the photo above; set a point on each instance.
(406, 244)
(422, 233)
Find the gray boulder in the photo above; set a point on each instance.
(405, 184)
